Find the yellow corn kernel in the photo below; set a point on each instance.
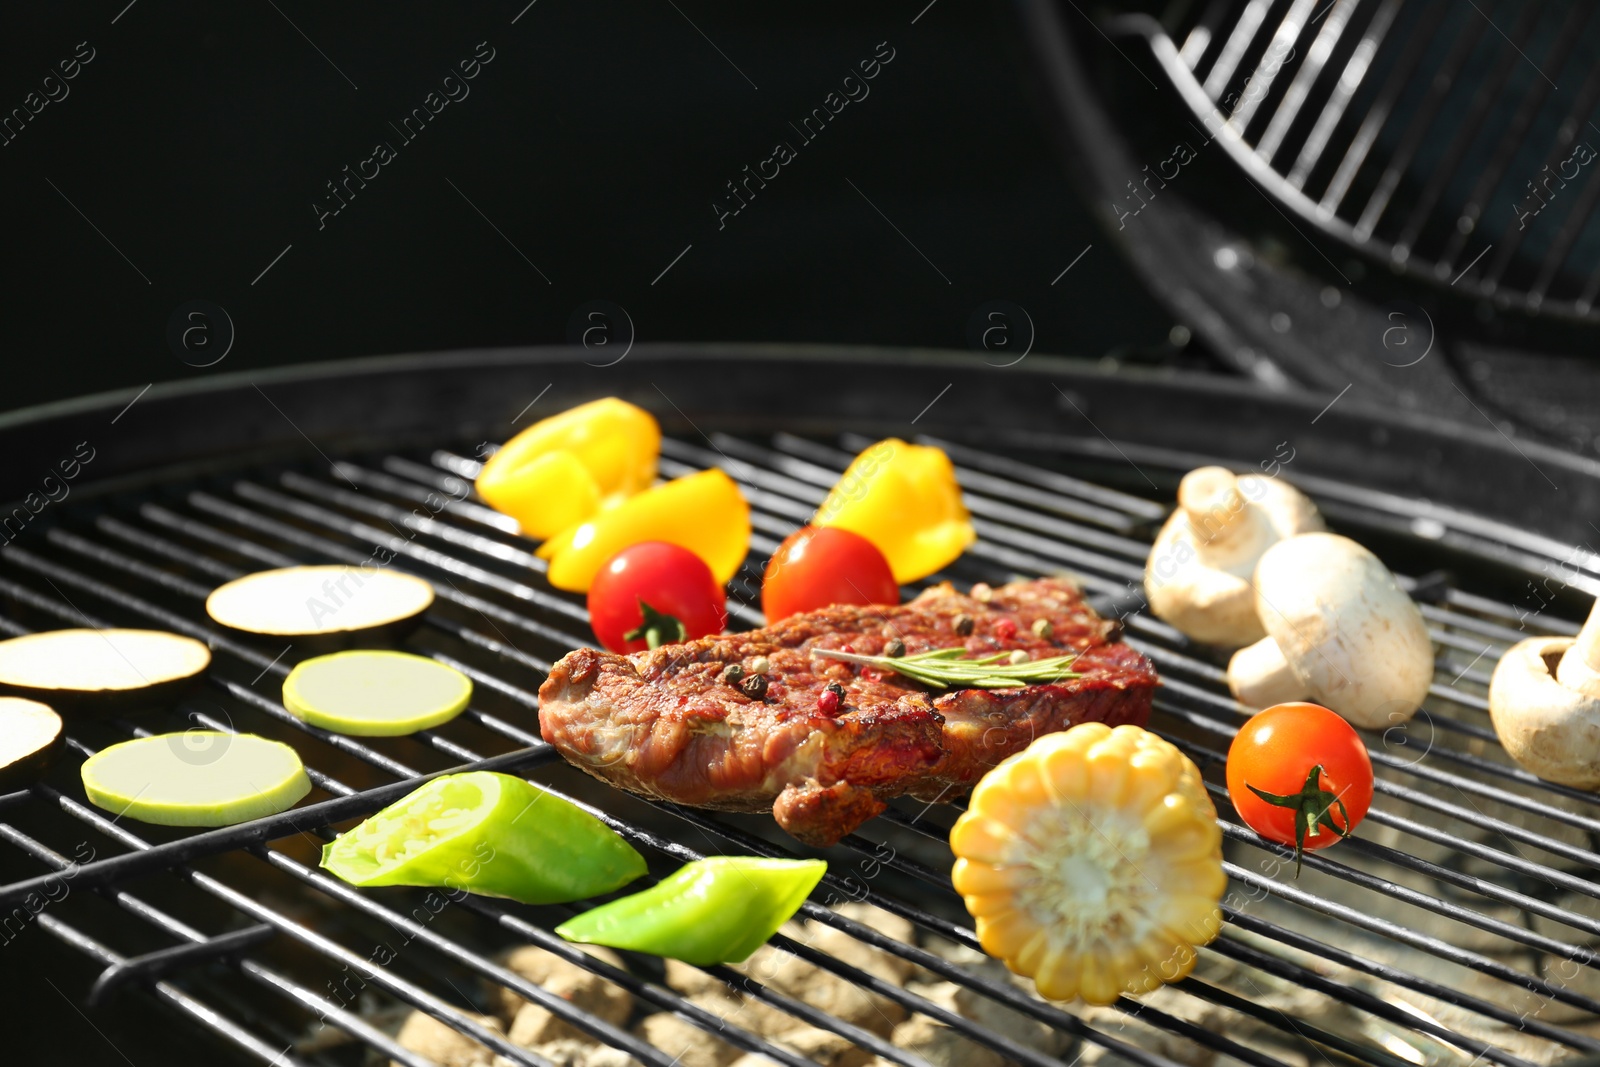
(1005, 933)
(1063, 769)
(1092, 863)
(986, 878)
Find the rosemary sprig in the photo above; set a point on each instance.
(947, 668)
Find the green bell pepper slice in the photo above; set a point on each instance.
(487, 833)
(716, 910)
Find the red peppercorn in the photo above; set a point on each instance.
(830, 698)
(1005, 629)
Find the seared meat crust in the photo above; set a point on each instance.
(664, 724)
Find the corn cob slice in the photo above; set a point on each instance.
(1092, 863)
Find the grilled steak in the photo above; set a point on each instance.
(666, 724)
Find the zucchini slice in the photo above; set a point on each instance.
(82, 671)
(375, 694)
(196, 778)
(31, 737)
(329, 607)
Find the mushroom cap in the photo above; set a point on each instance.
(1204, 603)
(1289, 511)
(1197, 577)
(1345, 627)
(1549, 729)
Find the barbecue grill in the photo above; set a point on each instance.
(1459, 924)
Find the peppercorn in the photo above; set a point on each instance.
(1019, 656)
(982, 592)
(732, 673)
(1005, 629)
(1043, 630)
(894, 648)
(754, 686)
(964, 624)
(830, 698)
(759, 665)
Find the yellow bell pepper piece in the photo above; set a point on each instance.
(1092, 863)
(703, 512)
(905, 500)
(569, 467)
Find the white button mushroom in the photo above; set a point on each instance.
(1198, 575)
(1340, 632)
(1544, 700)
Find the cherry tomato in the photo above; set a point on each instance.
(821, 565)
(654, 593)
(1276, 752)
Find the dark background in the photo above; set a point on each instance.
(190, 150)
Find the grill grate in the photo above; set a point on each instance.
(1454, 141)
(1470, 888)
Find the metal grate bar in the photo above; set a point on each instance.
(456, 498)
(1422, 118)
(1509, 142)
(493, 548)
(1271, 64)
(1416, 44)
(1434, 946)
(1511, 239)
(1344, 90)
(1366, 1001)
(1436, 990)
(1238, 43)
(1199, 38)
(967, 458)
(1561, 245)
(172, 995)
(1471, 126)
(349, 1022)
(452, 486)
(1317, 56)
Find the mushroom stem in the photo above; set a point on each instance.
(1579, 669)
(1260, 677)
(1225, 529)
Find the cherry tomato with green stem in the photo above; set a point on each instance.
(1300, 775)
(655, 593)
